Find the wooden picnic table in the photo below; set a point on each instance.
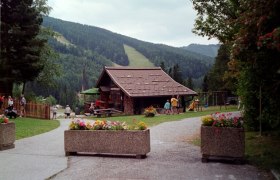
(107, 112)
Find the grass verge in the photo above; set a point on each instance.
(152, 121)
(26, 127)
(261, 151)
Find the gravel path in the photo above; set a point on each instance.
(171, 157)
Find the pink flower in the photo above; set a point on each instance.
(82, 124)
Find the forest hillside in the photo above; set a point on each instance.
(84, 50)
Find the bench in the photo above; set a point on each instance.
(105, 112)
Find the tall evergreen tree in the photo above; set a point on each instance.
(177, 74)
(20, 45)
(216, 74)
(205, 84)
(190, 83)
(170, 72)
(162, 65)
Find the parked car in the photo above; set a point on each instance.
(232, 100)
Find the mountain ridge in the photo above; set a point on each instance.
(208, 50)
(92, 48)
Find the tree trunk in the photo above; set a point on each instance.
(23, 88)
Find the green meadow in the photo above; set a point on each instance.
(136, 59)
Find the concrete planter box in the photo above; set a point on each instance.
(125, 142)
(7, 135)
(222, 143)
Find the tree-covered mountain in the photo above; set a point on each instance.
(111, 46)
(207, 50)
(84, 50)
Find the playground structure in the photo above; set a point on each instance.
(214, 98)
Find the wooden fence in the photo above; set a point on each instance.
(34, 110)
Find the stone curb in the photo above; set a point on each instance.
(276, 174)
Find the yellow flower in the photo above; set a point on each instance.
(207, 120)
(141, 125)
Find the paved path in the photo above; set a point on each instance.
(37, 157)
(171, 157)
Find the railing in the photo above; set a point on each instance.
(32, 109)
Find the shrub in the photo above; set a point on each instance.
(150, 112)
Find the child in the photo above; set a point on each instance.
(22, 106)
(167, 107)
(10, 103)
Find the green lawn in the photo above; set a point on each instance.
(263, 151)
(26, 127)
(152, 121)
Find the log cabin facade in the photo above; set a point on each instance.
(131, 90)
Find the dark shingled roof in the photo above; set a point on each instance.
(145, 82)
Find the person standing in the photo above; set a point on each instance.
(174, 104)
(22, 103)
(91, 108)
(167, 107)
(67, 111)
(54, 110)
(10, 103)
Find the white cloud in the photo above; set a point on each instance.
(158, 21)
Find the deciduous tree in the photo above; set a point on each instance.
(252, 30)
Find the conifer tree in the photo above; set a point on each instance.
(205, 84)
(177, 75)
(190, 83)
(20, 45)
(162, 65)
(216, 74)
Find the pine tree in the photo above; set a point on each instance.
(190, 83)
(205, 84)
(170, 72)
(162, 65)
(177, 75)
(216, 74)
(20, 46)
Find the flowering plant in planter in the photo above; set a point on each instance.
(104, 125)
(150, 111)
(222, 137)
(7, 133)
(109, 137)
(222, 120)
(4, 119)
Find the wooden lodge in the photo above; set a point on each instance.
(131, 90)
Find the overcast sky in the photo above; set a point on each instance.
(167, 22)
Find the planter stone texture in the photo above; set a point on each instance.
(125, 142)
(7, 135)
(224, 142)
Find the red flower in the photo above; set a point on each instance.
(82, 124)
(6, 120)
